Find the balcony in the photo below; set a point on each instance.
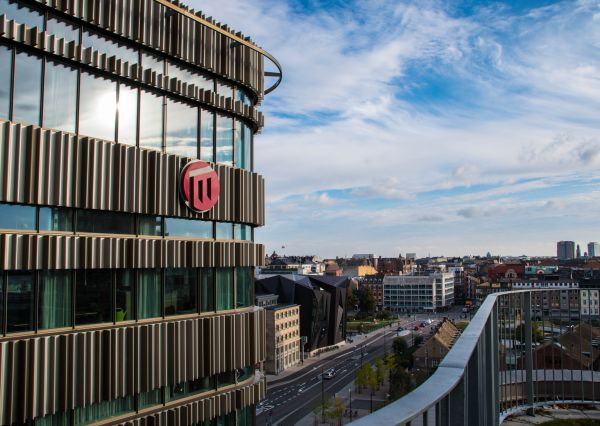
(510, 358)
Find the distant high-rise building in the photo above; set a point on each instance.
(411, 256)
(593, 249)
(565, 250)
(578, 251)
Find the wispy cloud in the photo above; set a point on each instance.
(427, 115)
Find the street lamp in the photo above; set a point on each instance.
(350, 390)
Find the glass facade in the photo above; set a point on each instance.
(55, 296)
(64, 91)
(27, 92)
(60, 97)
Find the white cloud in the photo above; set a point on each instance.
(524, 107)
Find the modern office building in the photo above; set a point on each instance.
(322, 301)
(128, 204)
(593, 249)
(565, 250)
(416, 293)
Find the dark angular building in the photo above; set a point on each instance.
(128, 204)
(322, 301)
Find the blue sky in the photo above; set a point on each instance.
(435, 127)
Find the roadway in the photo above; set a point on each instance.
(291, 399)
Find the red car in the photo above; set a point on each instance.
(416, 328)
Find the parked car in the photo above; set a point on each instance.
(416, 328)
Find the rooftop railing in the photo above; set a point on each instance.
(522, 349)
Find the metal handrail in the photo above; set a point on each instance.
(470, 376)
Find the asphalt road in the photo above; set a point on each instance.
(291, 399)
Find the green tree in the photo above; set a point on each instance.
(399, 383)
(336, 410)
(402, 352)
(366, 301)
(379, 371)
(351, 300)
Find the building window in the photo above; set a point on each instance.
(110, 47)
(128, 110)
(56, 219)
(150, 225)
(243, 232)
(153, 62)
(181, 286)
(149, 293)
(105, 222)
(19, 302)
(207, 122)
(224, 140)
(102, 410)
(5, 80)
(124, 310)
(27, 88)
(150, 398)
(93, 300)
(55, 296)
(97, 107)
(151, 120)
(182, 129)
(14, 216)
(191, 387)
(244, 287)
(62, 29)
(188, 228)
(21, 14)
(243, 146)
(224, 231)
(207, 290)
(224, 288)
(60, 97)
(224, 89)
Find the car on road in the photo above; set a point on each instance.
(417, 328)
(400, 329)
(329, 374)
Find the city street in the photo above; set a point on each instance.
(291, 399)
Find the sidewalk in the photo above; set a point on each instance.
(359, 340)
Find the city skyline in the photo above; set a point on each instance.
(432, 127)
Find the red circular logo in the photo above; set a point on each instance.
(199, 186)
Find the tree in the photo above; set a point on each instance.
(336, 410)
(399, 383)
(351, 300)
(379, 371)
(402, 352)
(366, 301)
(362, 376)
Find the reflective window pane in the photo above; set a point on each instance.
(124, 295)
(224, 288)
(105, 222)
(224, 140)
(191, 77)
(181, 291)
(56, 219)
(28, 89)
(247, 146)
(244, 285)
(5, 80)
(102, 410)
(150, 225)
(93, 300)
(181, 390)
(19, 302)
(207, 121)
(127, 107)
(16, 11)
(149, 293)
(188, 228)
(55, 293)
(153, 62)
(62, 29)
(14, 216)
(97, 107)
(148, 399)
(151, 120)
(182, 129)
(243, 232)
(224, 89)
(110, 47)
(243, 96)
(60, 97)
(224, 231)
(207, 290)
